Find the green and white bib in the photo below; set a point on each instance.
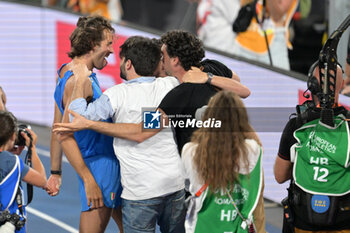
(321, 155)
(218, 215)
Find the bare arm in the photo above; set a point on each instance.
(231, 85)
(282, 170)
(36, 175)
(37, 164)
(35, 178)
(55, 180)
(82, 87)
(129, 131)
(56, 150)
(71, 150)
(235, 76)
(195, 75)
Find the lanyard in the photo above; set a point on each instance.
(201, 190)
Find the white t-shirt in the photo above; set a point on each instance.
(152, 168)
(191, 173)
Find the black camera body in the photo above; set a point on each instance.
(14, 219)
(5, 216)
(306, 112)
(20, 141)
(244, 18)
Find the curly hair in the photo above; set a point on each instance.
(184, 45)
(8, 125)
(144, 54)
(219, 151)
(88, 33)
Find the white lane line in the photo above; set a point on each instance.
(46, 153)
(52, 220)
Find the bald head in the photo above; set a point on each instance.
(339, 80)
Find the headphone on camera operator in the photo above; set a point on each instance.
(9, 223)
(311, 109)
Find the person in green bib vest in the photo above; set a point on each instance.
(315, 157)
(224, 168)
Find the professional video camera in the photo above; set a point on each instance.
(20, 141)
(10, 222)
(325, 90)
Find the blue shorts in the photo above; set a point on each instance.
(106, 171)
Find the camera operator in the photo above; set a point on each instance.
(13, 170)
(330, 183)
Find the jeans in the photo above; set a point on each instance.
(142, 215)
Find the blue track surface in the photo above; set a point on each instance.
(65, 207)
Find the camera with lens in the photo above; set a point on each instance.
(10, 222)
(244, 18)
(20, 141)
(4, 216)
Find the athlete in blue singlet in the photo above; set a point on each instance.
(96, 149)
(90, 153)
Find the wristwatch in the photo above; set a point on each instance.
(210, 77)
(56, 172)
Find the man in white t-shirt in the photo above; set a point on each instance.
(151, 170)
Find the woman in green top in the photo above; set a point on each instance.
(224, 168)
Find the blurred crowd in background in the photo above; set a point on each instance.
(287, 34)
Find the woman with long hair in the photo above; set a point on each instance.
(225, 171)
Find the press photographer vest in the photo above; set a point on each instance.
(218, 213)
(8, 190)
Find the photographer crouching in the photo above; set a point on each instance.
(13, 170)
